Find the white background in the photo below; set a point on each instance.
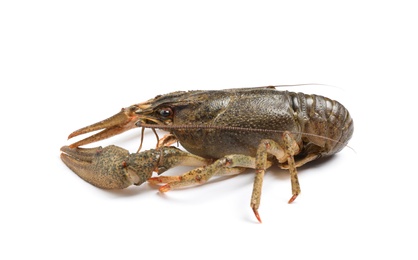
(67, 64)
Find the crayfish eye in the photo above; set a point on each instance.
(166, 112)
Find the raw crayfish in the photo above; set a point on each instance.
(224, 132)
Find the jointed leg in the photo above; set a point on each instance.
(231, 164)
(291, 148)
(282, 154)
(234, 164)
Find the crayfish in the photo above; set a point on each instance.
(223, 132)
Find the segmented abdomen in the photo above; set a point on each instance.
(326, 124)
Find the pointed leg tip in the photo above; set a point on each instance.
(257, 215)
(293, 198)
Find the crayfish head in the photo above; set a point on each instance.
(162, 110)
(154, 113)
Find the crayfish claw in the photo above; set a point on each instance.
(113, 167)
(106, 168)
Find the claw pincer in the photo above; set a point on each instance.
(113, 167)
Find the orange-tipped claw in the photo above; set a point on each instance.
(116, 124)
